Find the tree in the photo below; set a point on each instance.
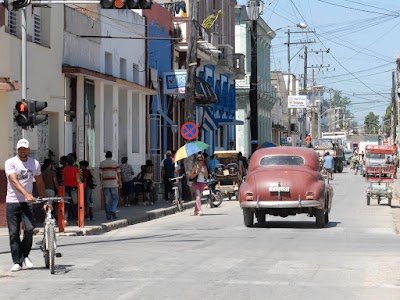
(345, 114)
(339, 101)
(387, 121)
(371, 123)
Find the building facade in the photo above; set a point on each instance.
(266, 92)
(44, 52)
(105, 80)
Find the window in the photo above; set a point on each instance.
(282, 161)
(108, 63)
(12, 22)
(36, 36)
(122, 68)
(135, 73)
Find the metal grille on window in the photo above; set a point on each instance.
(12, 22)
(36, 38)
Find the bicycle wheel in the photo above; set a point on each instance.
(45, 253)
(216, 199)
(51, 247)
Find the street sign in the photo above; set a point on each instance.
(289, 139)
(254, 142)
(189, 131)
(297, 102)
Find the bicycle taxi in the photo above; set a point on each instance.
(379, 172)
(227, 173)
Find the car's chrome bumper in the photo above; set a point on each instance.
(280, 204)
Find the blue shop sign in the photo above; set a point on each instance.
(174, 82)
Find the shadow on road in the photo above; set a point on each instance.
(293, 224)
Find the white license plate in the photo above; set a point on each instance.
(279, 189)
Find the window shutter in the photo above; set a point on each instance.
(36, 36)
(12, 22)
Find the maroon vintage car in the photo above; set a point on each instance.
(285, 181)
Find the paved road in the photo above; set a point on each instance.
(215, 257)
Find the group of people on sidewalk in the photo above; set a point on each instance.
(22, 171)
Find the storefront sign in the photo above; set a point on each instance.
(174, 82)
(297, 102)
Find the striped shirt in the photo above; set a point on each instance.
(109, 170)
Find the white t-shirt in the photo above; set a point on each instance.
(26, 171)
(200, 177)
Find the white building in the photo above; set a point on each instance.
(105, 81)
(44, 78)
(266, 92)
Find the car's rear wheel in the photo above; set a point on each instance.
(390, 201)
(248, 216)
(368, 199)
(326, 217)
(260, 217)
(319, 218)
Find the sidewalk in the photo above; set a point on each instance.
(126, 216)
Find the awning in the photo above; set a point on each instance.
(97, 75)
(209, 120)
(204, 93)
(229, 122)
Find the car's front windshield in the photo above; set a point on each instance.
(288, 160)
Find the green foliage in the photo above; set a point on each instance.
(387, 121)
(209, 22)
(371, 123)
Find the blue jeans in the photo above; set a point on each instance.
(17, 214)
(113, 192)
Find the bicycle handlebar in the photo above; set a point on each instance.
(176, 178)
(47, 199)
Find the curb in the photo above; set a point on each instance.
(106, 227)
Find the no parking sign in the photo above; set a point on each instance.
(189, 131)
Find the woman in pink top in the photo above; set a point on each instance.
(198, 173)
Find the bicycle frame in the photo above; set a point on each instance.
(49, 221)
(177, 188)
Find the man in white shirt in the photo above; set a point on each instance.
(20, 171)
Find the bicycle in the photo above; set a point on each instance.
(177, 192)
(49, 243)
(326, 173)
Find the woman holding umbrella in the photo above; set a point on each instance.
(198, 173)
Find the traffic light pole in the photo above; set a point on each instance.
(23, 60)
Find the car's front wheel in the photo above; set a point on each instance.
(248, 216)
(320, 218)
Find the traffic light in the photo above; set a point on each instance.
(35, 107)
(126, 4)
(28, 113)
(15, 4)
(22, 118)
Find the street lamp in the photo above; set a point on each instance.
(302, 26)
(254, 9)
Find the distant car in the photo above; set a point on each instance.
(285, 181)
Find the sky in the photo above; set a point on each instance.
(363, 41)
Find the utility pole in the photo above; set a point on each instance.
(303, 139)
(305, 76)
(398, 89)
(191, 62)
(394, 109)
(312, 107)
(289, 87)
(254, 89)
